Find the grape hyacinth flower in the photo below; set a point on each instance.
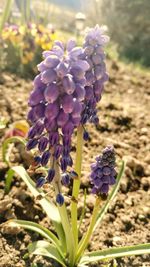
(64, 97)
(103, 172)
(56, 104)
(96, 75)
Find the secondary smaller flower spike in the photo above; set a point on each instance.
(96, 75)
(103, 172)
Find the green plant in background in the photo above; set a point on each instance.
(24, 7)
(22, 47)
(64, 100)
(128, 23)
(22, 43)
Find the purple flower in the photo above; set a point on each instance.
(43, 142)
(96, 75)
(65, 179)
(31, 144)
(50, 176)
(40, 182)
(64, 95)
(103, 172)
(86, 136)
(56, 99)
(37, 159)
(51, 93)
(45, 158)
(60, 199)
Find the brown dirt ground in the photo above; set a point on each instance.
(125, 123)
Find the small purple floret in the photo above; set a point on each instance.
(60, 199)
(103, 172)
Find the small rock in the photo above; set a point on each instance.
(135, 165)
(141, 217)
(1, 194)
(90, 201)
(124, 183)
(116, 240)
(147, 170)
(147, 159)
(6, 229)
(144, 131)
(129, 201)
(5, 204)
(145, 183)
(144, 139)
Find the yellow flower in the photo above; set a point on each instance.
(29, 55)
(24, 60)
(21, 125)
(22, 30)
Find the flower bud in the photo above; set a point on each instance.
(48, 76)
(51, 61)
(65, 179)
(52, 111)
(68, 84)
(68, 103)
(86, 136)
(62, 118)
(40, 182)
(60, 199)
(31, 144)
(45, 158)
(36, 97)
(43, 142)
(50, 176)
(51, 93)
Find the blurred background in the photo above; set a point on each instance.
(29, 26)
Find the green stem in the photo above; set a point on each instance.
(85, 240)
(5, 14)
(65, 220)
(76, 184)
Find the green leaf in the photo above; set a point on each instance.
(50, 209)
(5, 151)
(111, 196)
(35, 227)
(5, 14)
(115, 253)
(44, 248)
(8, 180)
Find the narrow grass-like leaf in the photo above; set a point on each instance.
(8, 180)
(5, 151)
(28, 10)
(111, 196)
(5, 14)
(50, 209)
(35, 227)
(44, 248)
(115, 253)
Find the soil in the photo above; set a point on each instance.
(125, 123)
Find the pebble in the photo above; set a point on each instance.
(144, 139)
(135, 165)
(5, 204)
(144, 131)
(90, 201)
(145, 183)
(141, 217)
(147, 159)
(116, 240)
